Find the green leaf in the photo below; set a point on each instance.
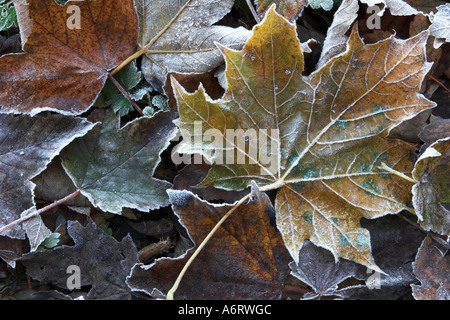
(160, 102)
(8, 16)
(128, 77)
(326, 5)
(52, 240)
(113, 167)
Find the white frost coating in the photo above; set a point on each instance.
(182, 36)
(396, 7)
(440, 26)
(336, 41)
(35, 229)
(431, 152)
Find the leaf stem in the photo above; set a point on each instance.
(143, 50)
(171, 292)
(128, 60)
(123, 91)
(438, 82)
(401, 175)
(38, 212)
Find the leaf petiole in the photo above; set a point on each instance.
(174, 288)
(125, 94)
(401, 175)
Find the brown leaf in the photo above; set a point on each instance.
(432, 268)
(245, 258)
(63, 69)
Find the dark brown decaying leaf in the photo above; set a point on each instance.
(318, 268)
(245, 259)
(64, 69)
(394, 245)
(437, 129)
(432, 269)
(27, 145)
(104, 262)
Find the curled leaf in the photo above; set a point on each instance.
(431, 193)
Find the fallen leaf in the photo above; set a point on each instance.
(53, 184)
(394, 245)
(104, 262)
(432, 172)
(24, 154)
(318, 269)
(245, 259)
(432, 268)
(113, 167)
(8, 17)
(326, 5)
(326, 132)
(425, 6)
(437, 129)
(336, 41)
(289, 9)
(179, 36)
(440, 25)
(193, 174)
(35, 229)
(64, 67)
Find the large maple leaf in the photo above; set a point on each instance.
(63, 68)
(326, 132)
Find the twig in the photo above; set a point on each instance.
(200, 247)
(38, 212)
(122, 90)
(252, 9)
(438, 82)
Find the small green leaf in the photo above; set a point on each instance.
(107, 230)
(326, 5)
(160, 102)
(8, 16)
(52, 240)
(129, 77)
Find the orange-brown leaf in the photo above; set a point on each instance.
(245, 259)
(63, 69)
